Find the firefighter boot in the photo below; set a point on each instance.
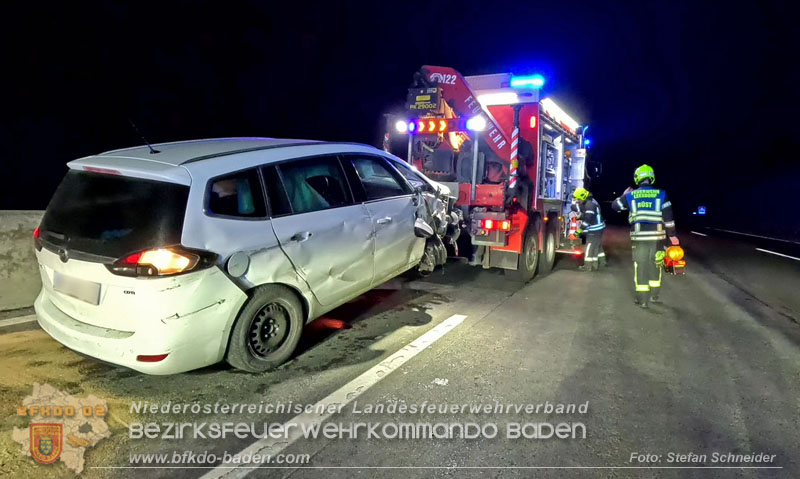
(655, 299)
(641, 300)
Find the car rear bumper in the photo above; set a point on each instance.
(190, 342)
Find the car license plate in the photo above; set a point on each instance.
(77, 288)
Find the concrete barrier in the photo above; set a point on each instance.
(19, 274)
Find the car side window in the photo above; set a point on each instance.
(238, 194)
(314, 184)
(276, 193)
(412, 176)
(378, 178)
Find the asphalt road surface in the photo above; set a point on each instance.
(714, 370)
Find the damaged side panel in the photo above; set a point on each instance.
(252, 238)
(396, 246)
(333, 250)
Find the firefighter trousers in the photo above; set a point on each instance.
(647, 270)
(594, 248)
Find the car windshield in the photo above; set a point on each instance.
(111, 215)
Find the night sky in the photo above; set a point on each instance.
(703, 93)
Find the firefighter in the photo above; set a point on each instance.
(593, 225)
(650, 217)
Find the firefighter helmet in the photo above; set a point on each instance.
(644, 172)
(581, 194)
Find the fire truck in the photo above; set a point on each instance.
(510, 159)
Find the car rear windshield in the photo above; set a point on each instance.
(110, 215)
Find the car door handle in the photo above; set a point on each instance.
(384, 221)
(300, 237)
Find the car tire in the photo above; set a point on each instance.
(548, 258)
(529, 259)
(267, 330)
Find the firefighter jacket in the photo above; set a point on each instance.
(591, 217)
(649, 213)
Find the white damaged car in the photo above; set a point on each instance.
(173, 257)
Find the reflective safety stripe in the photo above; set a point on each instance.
(655, 284)
(653, 235)
(658, 204)
(602, 255)
(621, 206)
(666, 205)
(648, 216)
(647, 238)
(651, 221)
(656, 218)
(669, 224)
(639, 287)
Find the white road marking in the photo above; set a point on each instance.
(755, 236)
(699, 234)
(340, 397)
(778, 254)
(18, 320)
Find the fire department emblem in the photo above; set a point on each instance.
(46, 441)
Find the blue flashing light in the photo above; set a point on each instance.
(701, 210)
(587, 142)
(412, 126)
(535, 81)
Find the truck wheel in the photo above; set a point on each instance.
(267, 330)
(549, 247)
(529, 259)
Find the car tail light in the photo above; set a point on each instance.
(36, 241)
(162, 262)
(490, 225)
(151, 358)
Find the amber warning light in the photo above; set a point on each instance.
(430, 126)
(674, 262)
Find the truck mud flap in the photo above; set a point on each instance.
(502, 259)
